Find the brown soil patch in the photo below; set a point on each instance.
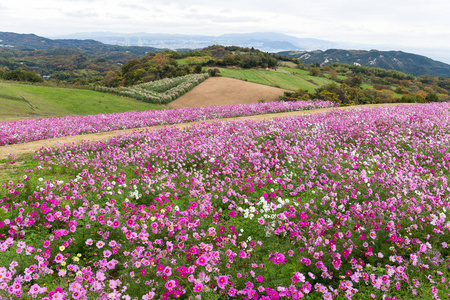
(226, 91)
(19, 149)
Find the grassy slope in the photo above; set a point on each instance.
(366, 86)
(305, 75)
(61, 101)
(284, 77)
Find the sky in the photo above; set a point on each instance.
(422, 26)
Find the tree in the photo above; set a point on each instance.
(333, 74)
(139, 74)
(329, 96)
(21, 75)
(421, 95)
(314, 71)
(111, 79)
(198, 69)
(298, 95)
(353, 81)
(431, 97)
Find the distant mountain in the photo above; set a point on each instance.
(264, 41)
(392, 60)
(34, 42)
(138, 44)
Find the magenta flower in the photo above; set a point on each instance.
(198, 288)
(160, 268)
(202, 260)
(59, 258)
(222, 281)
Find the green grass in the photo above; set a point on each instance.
(61, 101)
(193, 60)
(366, 86)
(305, 74)
(289, 64)
(182, 62)
(296, 71)
(282, 78)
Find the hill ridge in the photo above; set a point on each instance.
(405, 62)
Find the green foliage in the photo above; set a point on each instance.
(148, 68)
(353, 81)
(350, 95)
(381, 86)
(298, 95)
(213, 72)
(314, 71)
(431, 97)
(21, 75)
(224, 56)
(379, 72)
(61, 64)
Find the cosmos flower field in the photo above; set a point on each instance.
(350, 204)
(29, 130)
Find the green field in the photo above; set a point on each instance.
(305, 75)
(366, 86)
(284, 77)
(61, 101)
(193, 60)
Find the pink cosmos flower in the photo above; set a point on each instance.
(56, 293)
(336, 263)
(222, 281)
(59, 258)
(198, 288)
(202, 260)
(170, 285)
(160, 268)
(100, 276)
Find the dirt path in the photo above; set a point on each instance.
(226, 91)
(19, 149)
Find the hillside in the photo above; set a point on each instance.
(25, 100)
(34, 42)
(391, 60)
(285, 78)
(264, 41)
(64, 60)
(226, 91)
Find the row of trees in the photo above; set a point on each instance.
(20, 75)
(350, 95)
(237, 56)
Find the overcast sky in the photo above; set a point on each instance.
(399, 24)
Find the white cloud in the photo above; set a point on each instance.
(410, 23)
